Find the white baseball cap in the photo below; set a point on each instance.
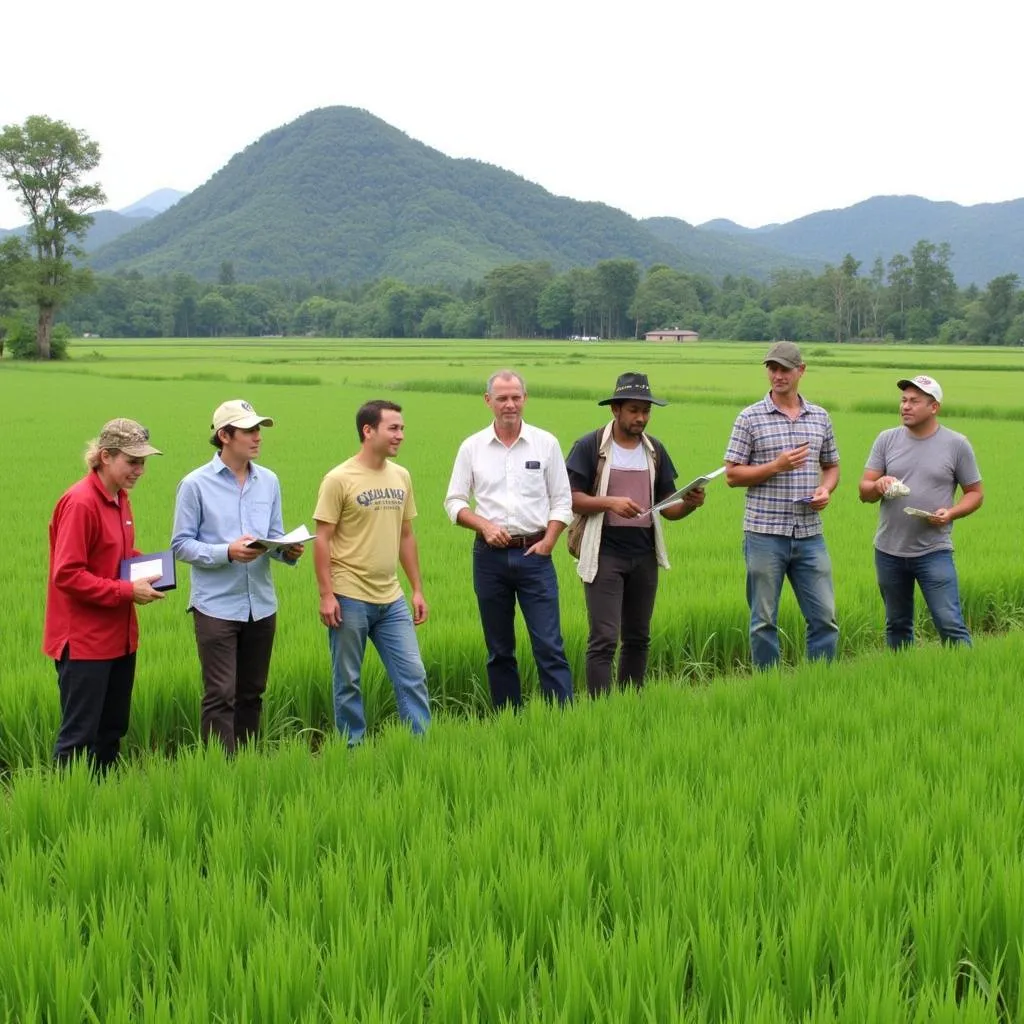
(929, 385)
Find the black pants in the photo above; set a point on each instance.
(620, 600)
(95, 702)
(235, 660)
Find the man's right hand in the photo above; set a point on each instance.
(330, 611)
(143, 592)
(626, 508)
(793, 458)
(495, 536)
(883, 483)
(238, 552)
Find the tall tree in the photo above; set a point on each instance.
(617, 281)
(43, 163)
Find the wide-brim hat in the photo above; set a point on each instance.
(632, 387)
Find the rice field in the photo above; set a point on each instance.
(822, 843)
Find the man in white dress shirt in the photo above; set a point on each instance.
(517, 476)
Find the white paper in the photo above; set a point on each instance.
(145, 570)
(300, 535)
(677, 496)
(919, 512)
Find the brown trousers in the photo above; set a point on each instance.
(235, 661)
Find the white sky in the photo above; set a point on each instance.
(750, 110)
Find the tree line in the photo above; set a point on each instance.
(907, 298)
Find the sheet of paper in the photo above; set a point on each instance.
(145, 570)
(919, 512)
(676, 496)
(300, 535)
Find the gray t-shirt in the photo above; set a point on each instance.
(931, 467)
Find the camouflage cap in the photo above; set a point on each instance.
(126, 436)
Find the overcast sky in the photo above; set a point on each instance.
(750, 110)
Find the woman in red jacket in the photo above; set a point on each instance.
(91, 631)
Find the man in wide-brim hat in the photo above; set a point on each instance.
(617, 473)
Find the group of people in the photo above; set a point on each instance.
(512, 487)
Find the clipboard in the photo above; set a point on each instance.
(677, 496)
(142, 566)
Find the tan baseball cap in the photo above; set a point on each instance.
(238, 413)
(127, 436)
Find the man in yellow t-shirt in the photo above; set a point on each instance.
(364, 514)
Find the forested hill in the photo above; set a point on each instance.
(339, 193)
(987, 240)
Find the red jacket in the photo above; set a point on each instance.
(87, 605)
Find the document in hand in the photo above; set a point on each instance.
(300, 535)
(676, 496)
(919, 512)
(143, 567)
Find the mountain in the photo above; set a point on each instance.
(156, 202)
(106, 226)
(730, 227)
(987, 240)
(723, 253)
(110, 224)
(339, 193)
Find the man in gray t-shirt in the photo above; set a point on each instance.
(916, 469)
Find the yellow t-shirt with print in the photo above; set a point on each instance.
(367, 507)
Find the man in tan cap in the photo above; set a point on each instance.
(783, 451)
(91, 631)
(220, 508)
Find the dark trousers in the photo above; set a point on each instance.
(235, 660)
(95, 702)
(500, 577)
(620, 602)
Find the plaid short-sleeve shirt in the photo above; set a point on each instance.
(760, 434)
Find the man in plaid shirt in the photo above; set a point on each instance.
(783, 451)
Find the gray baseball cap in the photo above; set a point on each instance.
(785, 353)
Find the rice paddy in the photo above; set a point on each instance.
(822, 843)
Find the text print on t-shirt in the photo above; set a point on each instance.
(382, 497)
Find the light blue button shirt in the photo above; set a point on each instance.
(211, 511)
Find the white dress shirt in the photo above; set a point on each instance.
(521, 487)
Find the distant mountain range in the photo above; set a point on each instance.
(987, 239)
(110, 224)
(339, 193)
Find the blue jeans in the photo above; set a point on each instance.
(500, 576)
(390, 628)
(770, 560)
(935, 574)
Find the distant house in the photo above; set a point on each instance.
(671, 335)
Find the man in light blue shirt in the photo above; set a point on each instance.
(222, 507)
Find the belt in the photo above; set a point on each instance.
(526, 542)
